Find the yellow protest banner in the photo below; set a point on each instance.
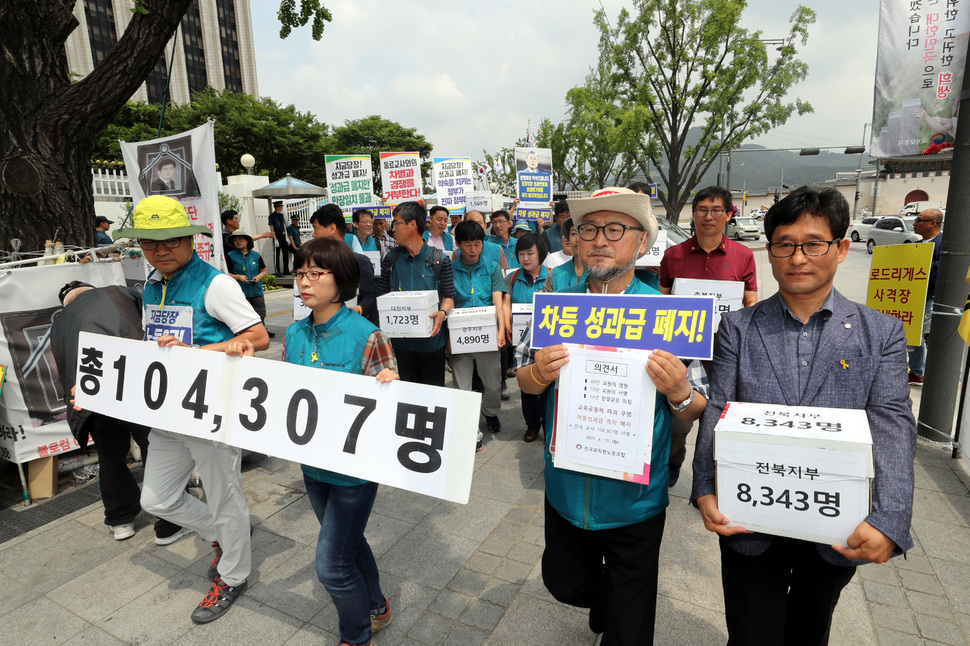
(897, 284)
(964, 329)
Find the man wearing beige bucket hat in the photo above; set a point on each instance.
(190, 303)
(603, 535)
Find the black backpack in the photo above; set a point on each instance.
(433, 262)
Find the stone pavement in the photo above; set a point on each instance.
(456, 574)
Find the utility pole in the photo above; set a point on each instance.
(945, 348)
(858, 176)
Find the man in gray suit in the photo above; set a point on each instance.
(791, 349)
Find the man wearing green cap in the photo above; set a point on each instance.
(190, 303)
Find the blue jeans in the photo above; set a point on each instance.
(345, 563)
(917, 353)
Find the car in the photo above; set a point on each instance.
(675, 235)
(740, 228)
(892, 229)
(860, 230)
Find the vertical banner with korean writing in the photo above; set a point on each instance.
(400, 177)
(533, 183)
(182, 167)
(898, 279)
(452, 177)
(33, 410)
(349, 181)
(919, 75)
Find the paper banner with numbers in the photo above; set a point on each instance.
(400, 434)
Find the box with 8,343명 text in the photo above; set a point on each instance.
(795, 471)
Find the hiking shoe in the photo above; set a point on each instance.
(494, 426)
(217, 601)
(168, 540)
(913, 379)
(214, 568)
(382, 620)
(531, 433)
(122, 532)
(505, 394)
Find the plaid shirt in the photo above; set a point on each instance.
(386, 242)
(378, 355)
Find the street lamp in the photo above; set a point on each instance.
(248, 161)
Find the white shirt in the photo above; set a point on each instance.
(557, 258)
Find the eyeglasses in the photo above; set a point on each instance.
(924, 220)
(612, 231)
(811, 248)
(152, 245)
(716, 213)
(312, 276)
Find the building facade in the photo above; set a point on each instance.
(213, 47)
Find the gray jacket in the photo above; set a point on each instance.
(751, 364)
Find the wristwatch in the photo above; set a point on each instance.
(684, 405)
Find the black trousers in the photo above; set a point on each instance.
(614, 569)
(283, 251)
(421, 367)
(784, 596)
(534, 409)
(119, 490)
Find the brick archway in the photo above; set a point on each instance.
(916, 196)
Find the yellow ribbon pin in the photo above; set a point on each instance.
(313, 357)
(845, 366)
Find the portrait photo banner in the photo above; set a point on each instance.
(400, 434)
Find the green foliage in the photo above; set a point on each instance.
(269, 280)
(675, 64)
(373, 135)
(228, 202)
(309, 10)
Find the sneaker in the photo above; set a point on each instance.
(382, 620)
(214, 568)
(505, 392)
(531, 434)
(494, 426)
(913, 379)
(272, 335)
(168, 540)
(122, 532)
(510, 373)
(478, 445)
(217, 601)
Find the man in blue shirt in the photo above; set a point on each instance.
(501, 228)
(101, 226)
(414, 266)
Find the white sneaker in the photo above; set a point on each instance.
(168, 540)
(122, 532)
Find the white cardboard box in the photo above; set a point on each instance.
(655, 253)
(729, 294)
(407, 315)
(473, 329)
(795, 471)
(521, 316)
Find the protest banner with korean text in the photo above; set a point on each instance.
(533, 183)
(350, 182)
(33, 410)
(478, 201)
(452, 178)
(920, 57)
(401, 434)
(379, 212)
(795, 471)
(898, 278)
(681, 325)
(182, 167)
(400, 178)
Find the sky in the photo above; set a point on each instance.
(469, 75)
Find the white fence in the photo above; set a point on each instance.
(110, 183)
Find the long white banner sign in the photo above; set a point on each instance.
(400, 434)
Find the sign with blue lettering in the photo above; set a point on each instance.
(379, 212)
(172, 319)
(681, 325)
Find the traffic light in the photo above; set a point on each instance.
(776, 198)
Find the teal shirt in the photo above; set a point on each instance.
(187, 287)
(339, 345)
(594, 502)
(564, 276)
(508, 248)
(474, 284)
(521, 290)
(248, 266)
(446, 238)
(369, 244)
